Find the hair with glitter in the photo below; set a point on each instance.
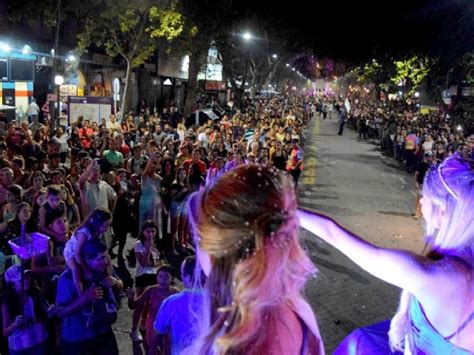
(449, 188)
(246, 222)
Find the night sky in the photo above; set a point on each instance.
(355, 31)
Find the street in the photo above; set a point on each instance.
(365, 191)
(128, 126)
(368, 193)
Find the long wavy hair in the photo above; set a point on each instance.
(96, 219)
(450, 189)
(246, 222)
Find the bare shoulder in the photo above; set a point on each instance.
(454, 272)
(284, 333)
(450, 297)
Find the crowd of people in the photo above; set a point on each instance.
(95, 185)
(416, 140)
(407, 134)
(220, 201)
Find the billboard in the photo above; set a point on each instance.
(213, 69)
(92, 108)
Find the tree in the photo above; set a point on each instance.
(130, 29)
(263, 63)
(410, 72)
(204, 22)
(250, 64)
(27, 11)
(371, 72)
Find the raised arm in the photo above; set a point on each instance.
(85, 175)
(150, 167)
(401, 268)
(143, 257)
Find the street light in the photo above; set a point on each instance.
(71, 58)
(58, 80)
(274, 56)
(26, 49)
(247, 36)
(5, 47)
(155, 81)
(287, 64)
(417, 94)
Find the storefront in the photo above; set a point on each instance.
(17, 74)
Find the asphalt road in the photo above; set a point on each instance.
(351, 181)
(369, 193)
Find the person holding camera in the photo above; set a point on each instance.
(86, 319)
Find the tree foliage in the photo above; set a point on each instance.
(29, 10)
(371, 72)
(204, 23)
(130, 29)
(411, 72)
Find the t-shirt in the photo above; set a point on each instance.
(85, 135)
(124, 149)
(295, 156)
(428, 146)
(136, 165)
(142, 270)
(280, 136)
(187, 165)
(62, 142)
(203, 139)
(114, 126)
(114, 157)
(74, 326)
(178, 316)
(96, 195)
(33, 109)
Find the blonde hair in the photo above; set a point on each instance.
(449, 188)
(247, 225)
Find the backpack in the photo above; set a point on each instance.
(410, 144)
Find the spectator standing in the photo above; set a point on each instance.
(95, 192)
(87, 318)
(26, 331)
(33, 111)
(177, 315)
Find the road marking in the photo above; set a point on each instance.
(311, 163)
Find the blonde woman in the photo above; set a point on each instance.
(436, 312)
(181, 130)
(246, 233)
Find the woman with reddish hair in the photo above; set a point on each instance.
(245, 230)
